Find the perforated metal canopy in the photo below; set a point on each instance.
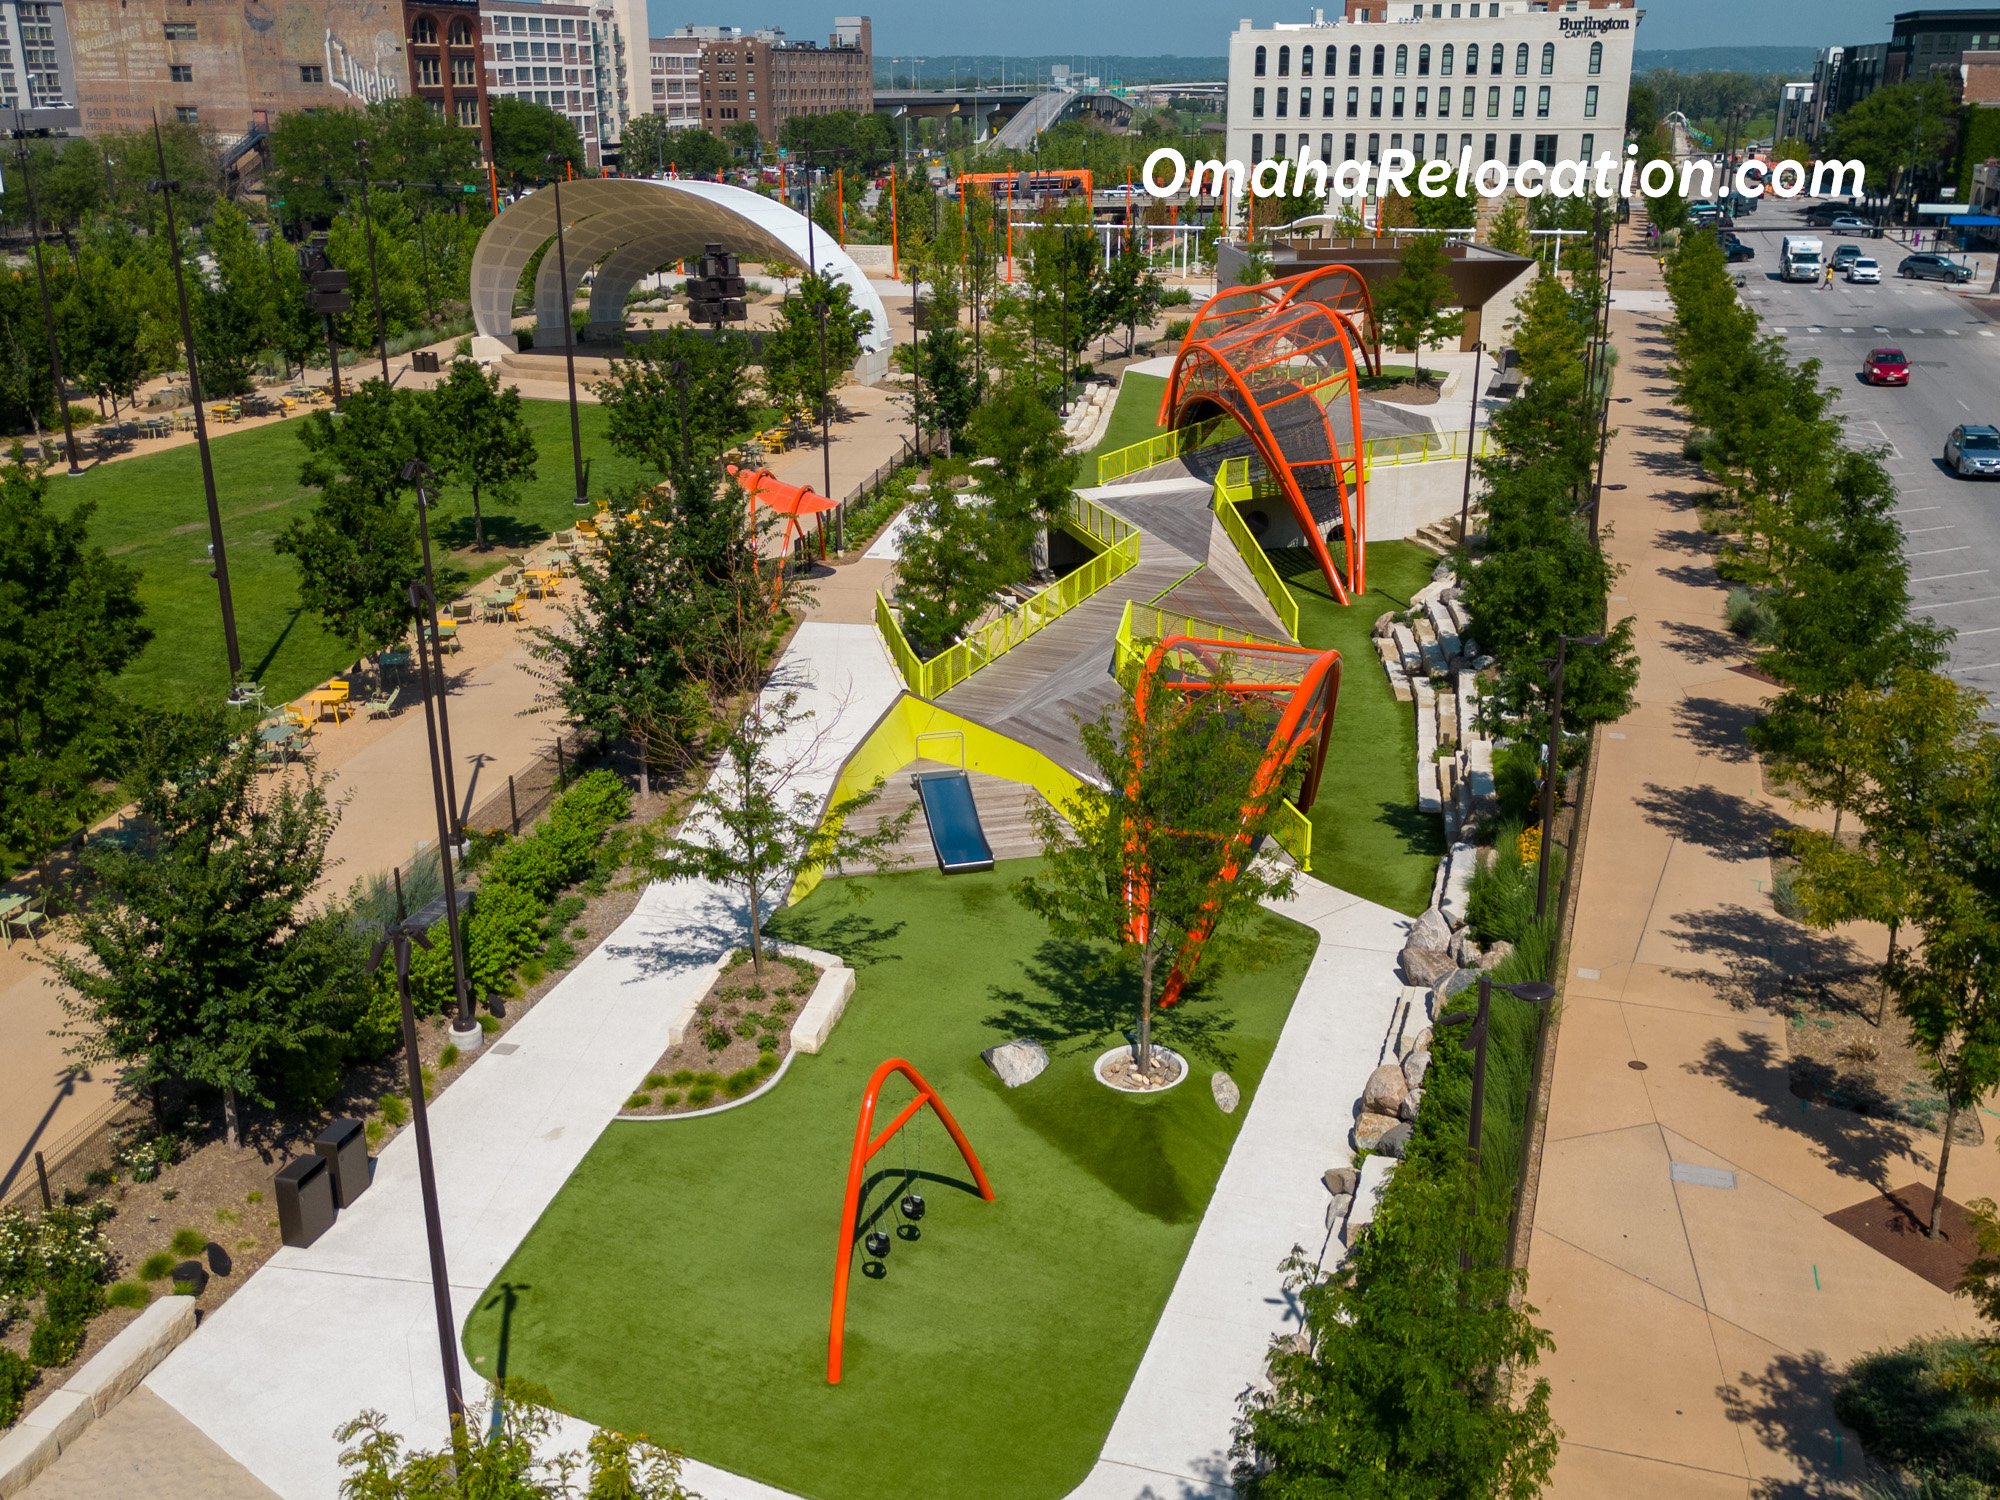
(624, 228)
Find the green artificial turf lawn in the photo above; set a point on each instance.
(1368, 836)
(680, 1283)
(1134, 418)
(152, 515)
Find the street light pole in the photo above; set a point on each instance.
(404, 932)
(465, 1032)
(165, 186)
(1534, 993)
(1552, 770)
(42, 285)
(1471, 443)
(415, 472)
(569, 337)
(826, 432)
(374, 276)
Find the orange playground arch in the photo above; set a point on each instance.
(865, 1147)
(1264, 355)
(1304, 686)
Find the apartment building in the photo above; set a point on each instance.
(447, 68)
(675, 80)
(1512, 80)
(764, 79)
(546, 52)
(37, 71)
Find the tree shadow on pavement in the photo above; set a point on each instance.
(1722, 822)
(1718, 728)
(1873, 1152)
(1703, 644)
(1757, 957)
(1789, 1408)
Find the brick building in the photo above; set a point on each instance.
(447, 69)
(543, 51)
(762, 78)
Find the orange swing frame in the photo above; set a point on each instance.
(866, 1145)
(790, 501)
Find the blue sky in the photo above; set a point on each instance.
(1198, 27)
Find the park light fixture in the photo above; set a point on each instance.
(1534, 993)
(1550, 768)
(568, 327)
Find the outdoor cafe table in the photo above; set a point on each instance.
(496, 604)
(393, 661)
(279, 737)
(327, 698)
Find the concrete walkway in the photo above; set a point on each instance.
(1701, 1304)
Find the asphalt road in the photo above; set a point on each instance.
(1951, 526)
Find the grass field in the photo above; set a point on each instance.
(679, 1285)
(1134, 418)
(151, 514)
(1368, 836)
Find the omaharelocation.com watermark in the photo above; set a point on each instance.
(1167, 173)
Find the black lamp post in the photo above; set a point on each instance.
(569, 332)
(374, 276)
(405, 931)
(1471, 443)
(465, 1032)
(42, 285)
(812, 254)
(165, 186)
(414, 473)
(826, 431)
(1535, 993)
(1552, 771)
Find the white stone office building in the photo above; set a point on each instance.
(1513, 80)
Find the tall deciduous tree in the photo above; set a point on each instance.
(677, 397)
(790, 352)
(69, 622)
(1173, 797)
(1420, 306)
(197, 964)
(525, 135)
(356, 550)
(478, 437)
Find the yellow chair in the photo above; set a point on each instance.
(298, 718)
(518, 608)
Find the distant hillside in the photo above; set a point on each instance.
(1793, 62)
(939, 72)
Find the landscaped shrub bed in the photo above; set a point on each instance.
(1908, 1417)
(58, 1257)
(741, 1031)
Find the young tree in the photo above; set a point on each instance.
(1175, 797)
(743, 140)
(198, 964)
(679, 398)
(478, 437)
(1032, 472)
(1420, 306)
(70, 620)
(356, 551)
(1129, 293)
(790, 353)
(944, 365)
(1510, 229)
(955, 554)
(525, 135)
(695, 152)
(756, 826)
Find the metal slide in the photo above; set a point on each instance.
(953, 819)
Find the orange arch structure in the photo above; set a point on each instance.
(866, 1145)
(792, 501)
(1271, 356)
(1302, 684)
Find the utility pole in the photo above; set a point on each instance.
(48, 313)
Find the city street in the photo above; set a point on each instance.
(1953, 344)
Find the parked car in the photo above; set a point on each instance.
(1845, 256)
(1928, 267)
(1863, 269)
(1973, 451)
(1885, 367)
(1849, 224)
(1735, 250)
(1823, 214)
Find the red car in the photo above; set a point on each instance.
(1885, 367)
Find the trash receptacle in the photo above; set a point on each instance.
(344, 1148)
(305, 1200)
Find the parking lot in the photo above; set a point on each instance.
(1952, 526)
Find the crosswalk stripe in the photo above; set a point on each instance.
(1986, 333)
(1880, 329)
(1847, 330)
(1951, 332)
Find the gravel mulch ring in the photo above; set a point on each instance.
(1123, 1071)
(740, 1033)
(1841, 1058)
(225, 1193)
(1894, 1223)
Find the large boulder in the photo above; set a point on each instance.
(1227, 1094)
(1430, 931)
(1415, 1066)
(1384, 1091)
(1454, 984)
(1493, 957)
(1017, 1062)
(1395, 1140)
(1340, 1180)
(1411, 1102)
(1370, 1128)
(1424, 966)
(1336, 1210)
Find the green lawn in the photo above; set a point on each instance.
(1134, 418)
(679, 1285)
(1368, 836)
(151, 513)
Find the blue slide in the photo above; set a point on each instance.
(956, 837)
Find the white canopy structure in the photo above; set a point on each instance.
(625, 228)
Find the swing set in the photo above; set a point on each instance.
(866, 1146)
(793, 502)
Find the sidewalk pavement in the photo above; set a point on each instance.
(1701, 1305)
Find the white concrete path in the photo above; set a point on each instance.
(320, 1334)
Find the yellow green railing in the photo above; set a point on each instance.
(1158, 449)
(1292, 831)
(1117, 552)
(898, 739)
(1255, 558)
(1423, 447)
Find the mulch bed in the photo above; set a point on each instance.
(1894, 1223)
(1756, 674)
(740, 1033)
(1840, 1057)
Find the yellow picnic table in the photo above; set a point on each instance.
(323, 699)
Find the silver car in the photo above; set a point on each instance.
(1862, 269)
(1973, 451)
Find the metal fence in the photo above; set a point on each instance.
(528, 793)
